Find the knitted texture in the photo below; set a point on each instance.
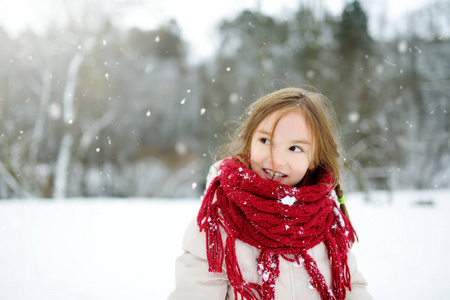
(278, 219)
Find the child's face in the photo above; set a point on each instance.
(291, 155)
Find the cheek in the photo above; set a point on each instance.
(256, 155)
(301, 164)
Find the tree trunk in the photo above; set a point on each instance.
(65, 150)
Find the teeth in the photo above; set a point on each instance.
(271, 174)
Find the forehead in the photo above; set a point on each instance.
(291, 123)
(275, 118)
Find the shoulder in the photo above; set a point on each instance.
(194, 240)
(213, 172)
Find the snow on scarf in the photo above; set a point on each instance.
(281, 221)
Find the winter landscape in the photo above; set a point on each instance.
(111, 113)
(107, 249)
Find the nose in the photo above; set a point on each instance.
(277, 157)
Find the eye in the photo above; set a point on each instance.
(265, 141)
(296, 149)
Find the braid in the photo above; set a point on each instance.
(340, 195)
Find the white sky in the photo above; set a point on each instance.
(197, 18)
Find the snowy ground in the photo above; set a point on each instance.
(125, 249)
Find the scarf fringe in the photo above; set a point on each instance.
(248, 290)
(317, 279)
(269, 266)
(208, 220)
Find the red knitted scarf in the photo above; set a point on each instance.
(281, 221)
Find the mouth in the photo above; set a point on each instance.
(274, 175)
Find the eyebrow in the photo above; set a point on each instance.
(294, 142)
(301, 142)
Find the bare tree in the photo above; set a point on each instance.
(69, 117)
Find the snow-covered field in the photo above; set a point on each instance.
(107, 249)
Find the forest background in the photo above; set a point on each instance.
(93, 109)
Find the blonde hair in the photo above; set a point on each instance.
(320, 118)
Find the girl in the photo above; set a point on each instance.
(269, 226)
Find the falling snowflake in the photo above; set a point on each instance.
(353, 116)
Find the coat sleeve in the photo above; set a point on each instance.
(192, 278)
(359, 284)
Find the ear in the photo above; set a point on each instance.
(314, 161)
(312, 166)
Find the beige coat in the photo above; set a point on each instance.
(194, 282)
